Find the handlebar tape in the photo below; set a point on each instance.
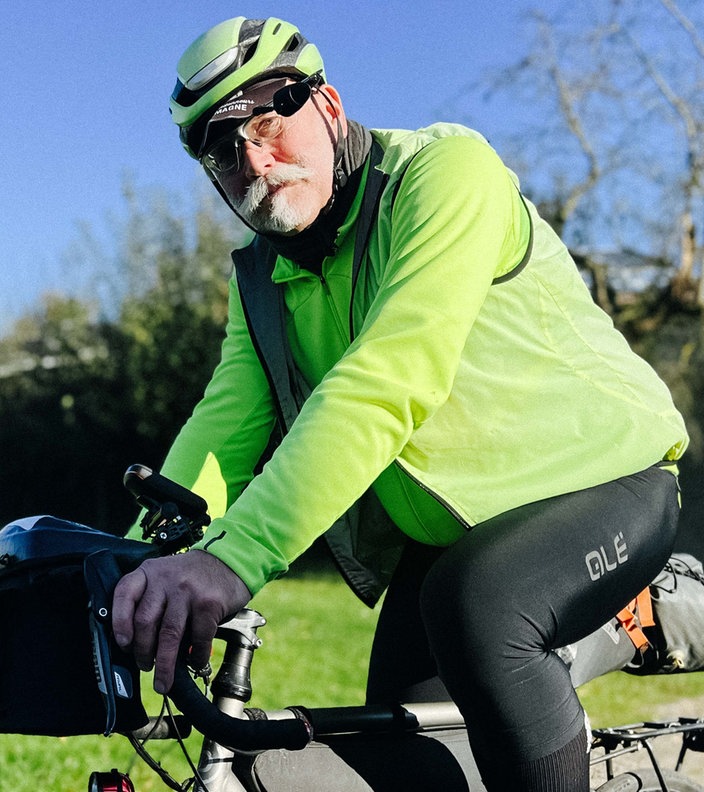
(236, 733)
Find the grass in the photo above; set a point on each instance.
(620, 698)
(315, 652)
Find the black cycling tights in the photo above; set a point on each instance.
(486, 612)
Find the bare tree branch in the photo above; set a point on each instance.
(690, 251)
(677, 103)
(568, 102)
(686, 23)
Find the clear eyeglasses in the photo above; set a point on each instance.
(226, 155)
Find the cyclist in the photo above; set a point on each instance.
(418, 348)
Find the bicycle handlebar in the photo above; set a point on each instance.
(242, 735)
(174, 517)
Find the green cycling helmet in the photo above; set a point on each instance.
(230, 57)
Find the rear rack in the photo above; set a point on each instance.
(621, 740)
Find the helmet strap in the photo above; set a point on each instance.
(339, 176)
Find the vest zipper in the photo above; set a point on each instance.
(333, 310)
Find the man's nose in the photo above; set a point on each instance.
(258, 159)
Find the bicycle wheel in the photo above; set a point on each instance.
(647, 781)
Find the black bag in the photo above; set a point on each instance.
(61, 673)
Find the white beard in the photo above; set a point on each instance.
(277, 214)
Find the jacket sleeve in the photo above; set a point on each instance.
(218, 447)
(457, 221)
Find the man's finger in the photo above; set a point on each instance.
(171, 633)
(128, 593)
(204, 624)
(147, 623)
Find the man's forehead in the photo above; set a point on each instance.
(243, 103)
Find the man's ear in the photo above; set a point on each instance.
(333, 106)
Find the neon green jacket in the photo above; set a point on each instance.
(486, 396)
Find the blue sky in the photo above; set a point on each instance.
(85, 87)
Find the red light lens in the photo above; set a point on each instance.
(110, 782)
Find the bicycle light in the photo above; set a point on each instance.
(113, 781)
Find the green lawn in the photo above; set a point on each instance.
(315, 651)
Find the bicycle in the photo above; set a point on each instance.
(410, 746)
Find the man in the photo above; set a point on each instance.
(442, 381)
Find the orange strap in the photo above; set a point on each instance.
(635, 616)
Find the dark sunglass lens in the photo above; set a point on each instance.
(291, 98)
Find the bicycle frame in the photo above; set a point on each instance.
(222, 769)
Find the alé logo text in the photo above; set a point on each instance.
(601, 561)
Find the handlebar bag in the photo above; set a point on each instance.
(61, 673)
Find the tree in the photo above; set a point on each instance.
(682, 103)
(60, 402)
(89, 387)
(174, 326)
(614, 146)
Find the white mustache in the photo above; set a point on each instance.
(259, 189)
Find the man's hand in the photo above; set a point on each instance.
(154, 606)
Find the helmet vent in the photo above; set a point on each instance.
(249, 52)
(293, 44)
